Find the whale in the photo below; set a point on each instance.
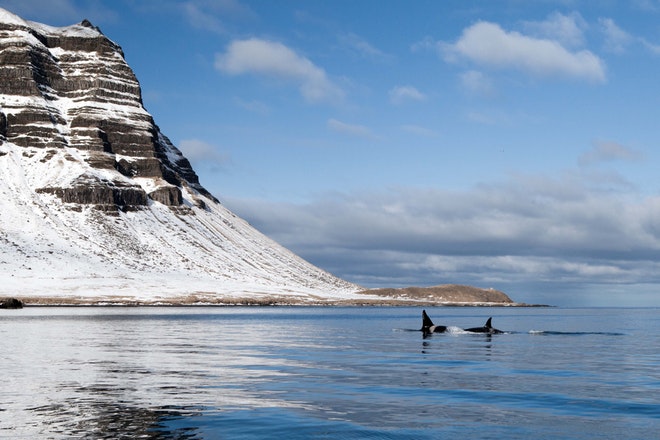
(486, 328)
(429, 327)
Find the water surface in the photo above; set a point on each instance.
(197, 373)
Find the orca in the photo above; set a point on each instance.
(429, 327)
(487, 328)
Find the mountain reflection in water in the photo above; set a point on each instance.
(92, 416)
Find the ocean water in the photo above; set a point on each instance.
(349, 373)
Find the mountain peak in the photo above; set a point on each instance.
(96, 202)
(10, 18)
(42, 31)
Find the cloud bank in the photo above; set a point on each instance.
(567, 29)
(401, 94)
(607, 151)
(519, 235)
(203, 154)
(353, 130)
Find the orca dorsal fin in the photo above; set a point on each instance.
(426, 321)
(488, 323)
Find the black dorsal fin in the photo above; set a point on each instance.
(426, 321)
(488, 324)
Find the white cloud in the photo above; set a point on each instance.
(424, 44)
(273, 59)
(59, 12)
(607, 151)
(487, 44)
(489, 117)
(567, 29)
(647, 5)
(477, 83)
(254, 105)
(201, 152)
(654, 48)
(419, 131)
(362, 47)
(350, 129)
(616, 39)
(206, 14)
(400, 94)
(202, 19)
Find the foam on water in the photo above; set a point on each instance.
(453, 330)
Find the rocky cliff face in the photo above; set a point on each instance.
(70, 88)
(95, 200)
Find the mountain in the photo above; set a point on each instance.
(96, 204)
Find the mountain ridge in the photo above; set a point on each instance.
(96, 202)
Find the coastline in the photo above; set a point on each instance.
(446, 295)
(255, 302)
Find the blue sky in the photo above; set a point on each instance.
(510, 144)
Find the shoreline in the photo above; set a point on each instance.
(264, 302)
(447, 295)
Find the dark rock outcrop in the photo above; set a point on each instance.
(3, 127)
(11, 303)
(167, 195)
(71, 88)
(106, 195)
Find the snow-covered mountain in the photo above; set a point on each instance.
(96, 203)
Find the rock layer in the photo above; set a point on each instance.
(71, 88)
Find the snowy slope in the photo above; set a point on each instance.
(51, 247)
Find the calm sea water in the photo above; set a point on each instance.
(299, 373)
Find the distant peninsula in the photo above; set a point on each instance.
(452, 294)
(448, 295)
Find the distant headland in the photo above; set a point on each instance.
(448, 295)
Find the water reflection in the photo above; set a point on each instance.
(91, 416)
(468, 344)
(117, 406)
(303, 373)
(91, 375)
